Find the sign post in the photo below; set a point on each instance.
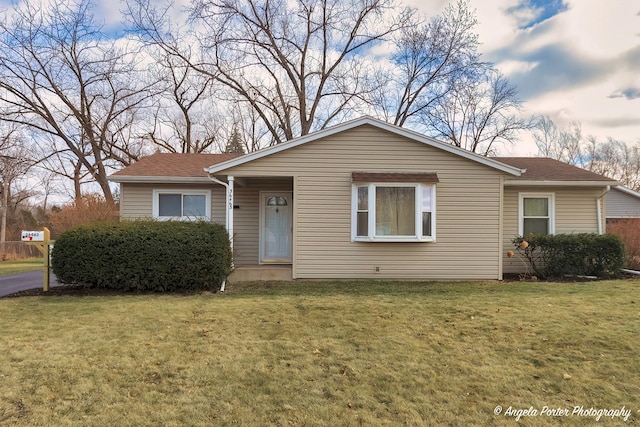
(41, 240)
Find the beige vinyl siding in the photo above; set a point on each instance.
(245, 226)
(622, 205)
(246, 217)
(136, 200)
(575, 212)
(467, 209)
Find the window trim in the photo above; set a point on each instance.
(371, 237)
(551, 197)
(182, 192)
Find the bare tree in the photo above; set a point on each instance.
(60, 76)
(547, 136)
(14, 164)
(479, 113)
(48, 186)
(184, 119)
(249, 127)
(430, 59)
(612, 158)
(296, 63)
(615, 159)
(302, 65)
(65, 164)
(560, 144)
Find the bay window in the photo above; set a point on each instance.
(394, 211)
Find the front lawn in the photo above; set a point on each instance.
(315, 354)
(20, 266)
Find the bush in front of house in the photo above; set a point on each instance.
(583, 254)
(144, 256)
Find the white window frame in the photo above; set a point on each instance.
(551, 197)
(182, 192)
(371, 237)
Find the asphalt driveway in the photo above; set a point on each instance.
(23, 281)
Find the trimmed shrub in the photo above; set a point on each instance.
(144, 255)
(584, 254)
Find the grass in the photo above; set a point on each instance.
(20, 266)
(312, 354)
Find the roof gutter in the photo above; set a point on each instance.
(534, 183)
(159, 179)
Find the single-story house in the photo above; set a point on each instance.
(367, 199)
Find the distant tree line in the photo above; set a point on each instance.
(612, 158)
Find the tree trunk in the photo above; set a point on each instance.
(3, 221)
(76, 181)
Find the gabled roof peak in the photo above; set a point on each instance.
(351, 124)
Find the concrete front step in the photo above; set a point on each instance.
(260, 273)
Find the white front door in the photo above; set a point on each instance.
(276, 228)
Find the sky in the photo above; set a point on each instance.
(572, 60)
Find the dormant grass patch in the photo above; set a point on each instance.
(20, 266)
(325, 353)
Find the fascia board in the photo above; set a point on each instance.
(533, 183)
(159, 179)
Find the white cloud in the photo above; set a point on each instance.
(510, 67)
(496, 28)
(108, 12)
(599, 113)
(601, 29)
(580, 65)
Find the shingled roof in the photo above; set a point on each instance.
(170, 166)
(546, 169)
(178, 167)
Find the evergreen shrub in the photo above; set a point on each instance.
(144, 255)
(583, 254)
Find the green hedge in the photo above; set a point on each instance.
(144, 255)
(583, 254)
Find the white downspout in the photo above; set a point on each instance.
(228, 214)
(230, 196)
(599, 213)
(599, 209)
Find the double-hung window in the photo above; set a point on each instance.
(182, 205)
(393, 207)
(536, 213)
